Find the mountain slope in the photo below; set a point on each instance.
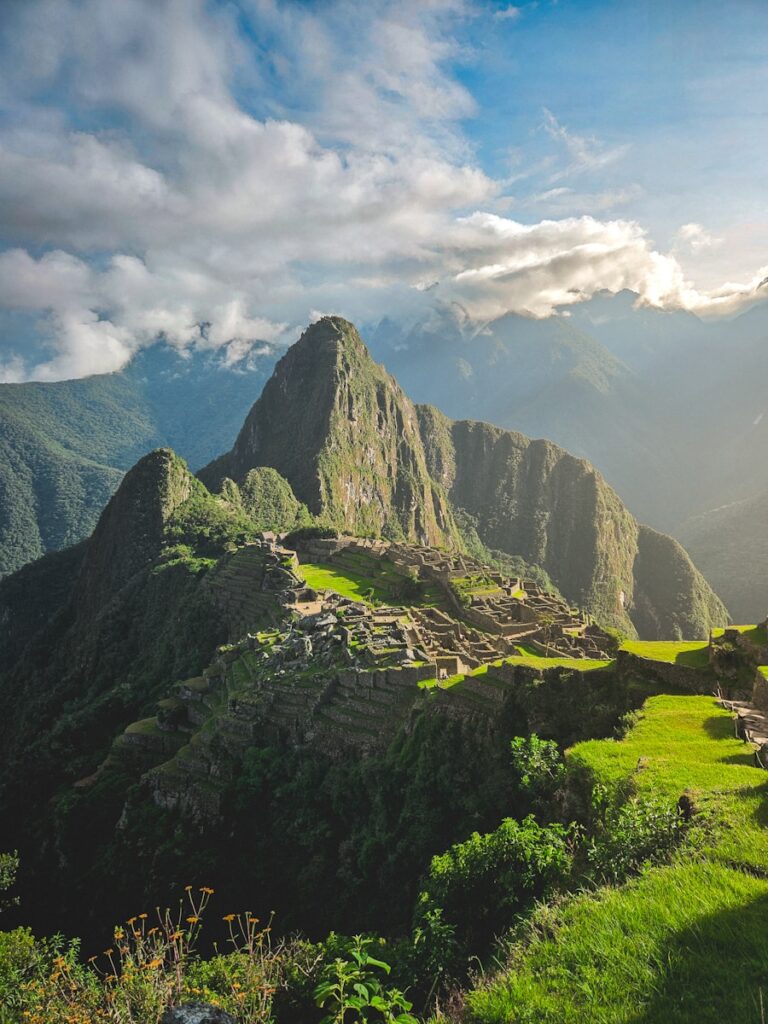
(65, 446)
(730, 544)
(345, 437)
(362, 456)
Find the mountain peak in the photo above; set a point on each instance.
(345, 437)
(130, 530)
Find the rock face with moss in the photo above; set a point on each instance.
(130, 532)
(364, 458)
(345, 437)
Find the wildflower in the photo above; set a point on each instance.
(143, 917)
(192, 920)
(207, 891)
(228, 917)
(187, 888)
(153, 964)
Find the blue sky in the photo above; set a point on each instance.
(252, 164)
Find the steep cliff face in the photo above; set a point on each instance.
(672, 598)
(534, 499)
(345, 437)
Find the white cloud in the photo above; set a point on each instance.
(509, 13)
(161, 177)
(585, 153)
(694, 237)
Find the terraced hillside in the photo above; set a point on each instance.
(681, 942)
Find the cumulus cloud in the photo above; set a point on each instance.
(167, 171)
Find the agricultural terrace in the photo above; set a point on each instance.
(530, 660)
(685, 942)
(692, 653)
(756, 634)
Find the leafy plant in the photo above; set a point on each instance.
(629, 835)
(9, 865)
(353, 992)
(483, 882)
(538, 769)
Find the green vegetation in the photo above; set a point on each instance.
(64, 446)
(693, 653)
(268, 500)
(680, 942)
(758, 635)
(374, 581)
(536, 661)
(343, 581)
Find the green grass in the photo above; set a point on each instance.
(692, 653)
(539, 661)
(367, 579)
(350, 584)
(684, 943)
(757, 634)
(529, 660)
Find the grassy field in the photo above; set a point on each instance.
(692, 653)
(344, 582)
(684, 943)
(366, 579)
(757, 634)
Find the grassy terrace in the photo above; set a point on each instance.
(525, 658)
(692, 653)
(757, 634)
(362, 578)
(684, 943)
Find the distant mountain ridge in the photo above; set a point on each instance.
(65, 446)
(358, 453)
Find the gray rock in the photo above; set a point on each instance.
(196, 1013)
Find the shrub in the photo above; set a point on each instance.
(482, 883)
(538, 769)
(629, 835)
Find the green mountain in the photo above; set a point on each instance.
(361, 456)
(65, 446)
(731, 546)
(345, 437)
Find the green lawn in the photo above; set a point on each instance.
(364, 578)
(684, 943)
(757, 634)
(345, 582)
(692, 653)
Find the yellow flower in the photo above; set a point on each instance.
(228, 917)
(207, 890)
(153, 964)
(192, 920)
